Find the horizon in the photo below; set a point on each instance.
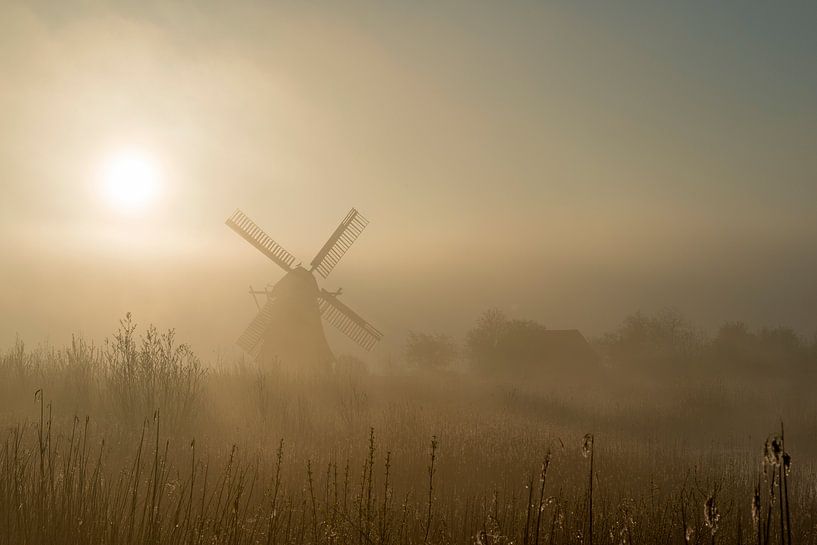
(569, 165)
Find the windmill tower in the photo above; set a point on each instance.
(288, 327)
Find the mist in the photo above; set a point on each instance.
(404, 273)
(538, 159)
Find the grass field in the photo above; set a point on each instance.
(136, 441)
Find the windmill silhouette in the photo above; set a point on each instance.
(287, 328)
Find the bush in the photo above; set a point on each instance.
(152, 374)
(430, 351)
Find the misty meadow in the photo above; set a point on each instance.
(402, 273)
(669, 435)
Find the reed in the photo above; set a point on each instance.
(220, 474)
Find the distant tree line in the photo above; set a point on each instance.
(496, 343)
(666, 342)
(662, 345)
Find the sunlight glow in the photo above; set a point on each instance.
(130, 180)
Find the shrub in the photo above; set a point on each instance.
(430, 351)
(153, 373)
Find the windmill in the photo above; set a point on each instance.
(287, 328)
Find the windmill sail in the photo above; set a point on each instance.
(347, 321)
(253, 337)
(340, 241)
(253, 234)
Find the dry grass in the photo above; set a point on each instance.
(133, 442)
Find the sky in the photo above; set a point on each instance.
(567, 162)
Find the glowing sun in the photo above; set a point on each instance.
(129, 180)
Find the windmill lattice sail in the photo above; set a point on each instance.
(253, 234)
(340, 241)
(252, 338)
(348, 321)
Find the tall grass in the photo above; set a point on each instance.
(133, 442)
(153, 372)
(68, 489)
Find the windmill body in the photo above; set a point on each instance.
(287, 331)
(294, 335)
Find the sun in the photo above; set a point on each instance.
(130, 180)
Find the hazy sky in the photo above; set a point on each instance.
(568, 162)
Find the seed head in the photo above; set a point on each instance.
(587, 445)
(787, 463)
(712, 516)
(773, 451)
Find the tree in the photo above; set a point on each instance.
(656, 343)
(497, 344)
(769, 351)
(483, 341)
(430, 351)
